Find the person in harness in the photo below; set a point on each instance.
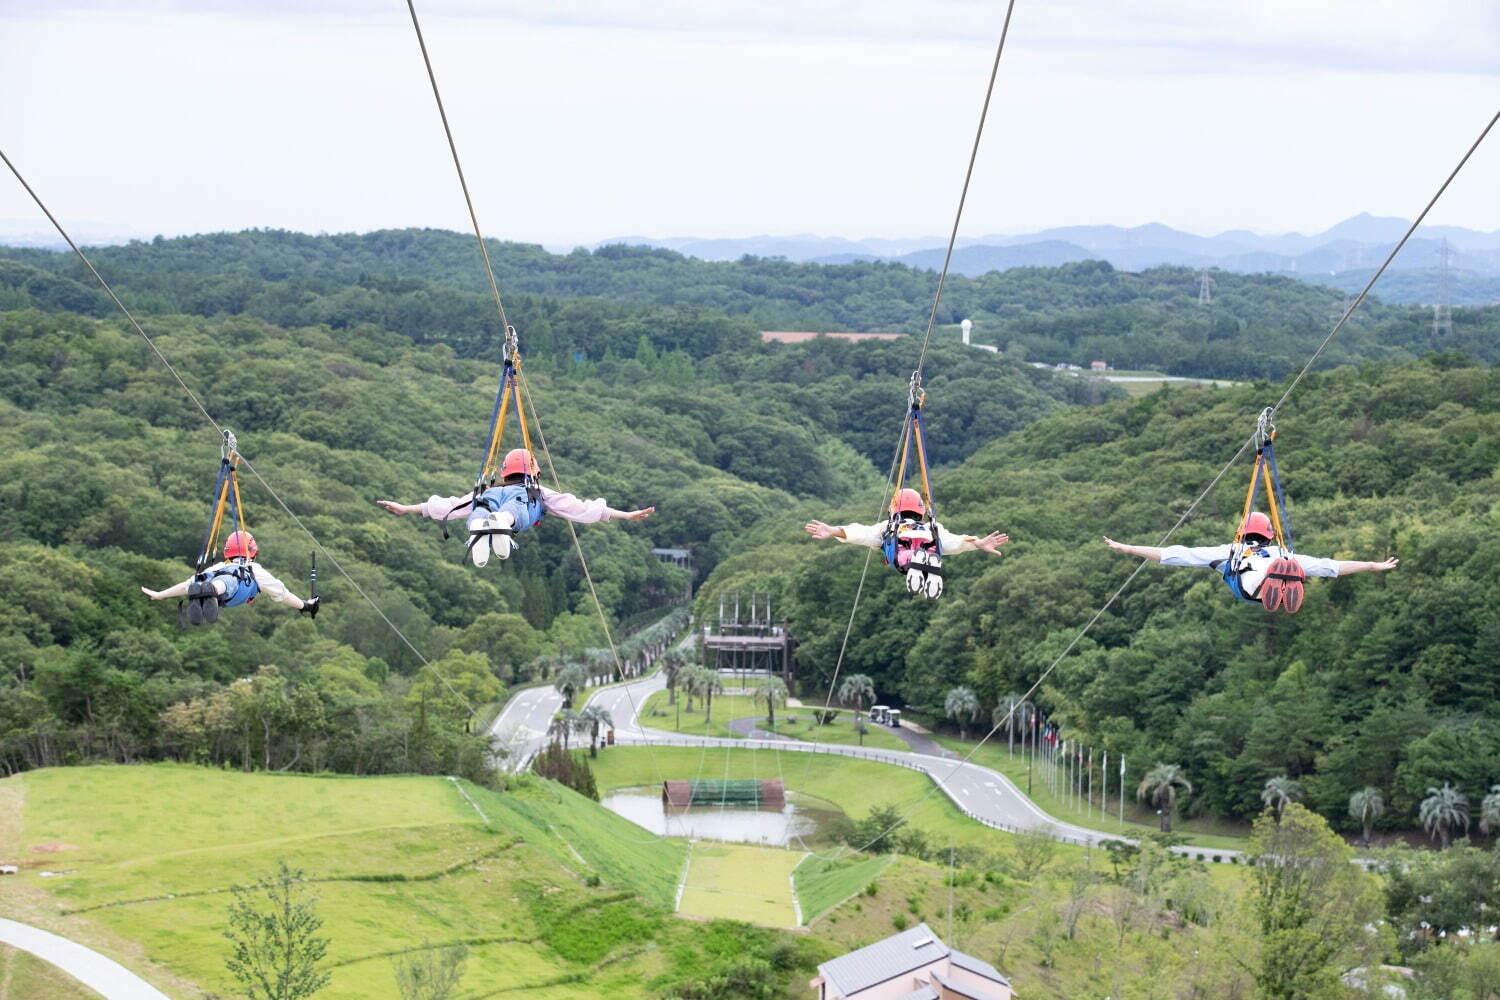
(913, 544)
(237, 580)
(1247, 565)
(496, 515)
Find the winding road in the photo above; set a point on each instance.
(986, 796)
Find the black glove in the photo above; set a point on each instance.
(310, 606)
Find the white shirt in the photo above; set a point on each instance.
(872, 536)
(1256, 561)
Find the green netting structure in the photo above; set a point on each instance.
(714, 792)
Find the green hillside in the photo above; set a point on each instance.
(395, 864)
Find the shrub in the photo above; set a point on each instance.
(899, 921)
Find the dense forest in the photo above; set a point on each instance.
(1385, 680)
(355, 368)
(107, 471)
(429, 286)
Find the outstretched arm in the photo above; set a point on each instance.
(176, 590)
(970, 543)
(571, 508)
(1346, 567)
(1151, 552)
(868, 535)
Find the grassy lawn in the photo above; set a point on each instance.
(794, 722)
(1138, 820)
(825, 882)
(23, 976)
(740, 883)
(397, 863)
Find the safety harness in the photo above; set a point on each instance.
(507, 396)
(226, 499)
(911, 544)
(1282, 589)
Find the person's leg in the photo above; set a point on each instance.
(524, 514)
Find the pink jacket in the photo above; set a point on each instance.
(564, 505)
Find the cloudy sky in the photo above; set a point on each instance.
(585, 119)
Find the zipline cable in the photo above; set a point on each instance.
(1249, 442)
(426, 664)
(504, 327)
(937, 299)
(964, 194)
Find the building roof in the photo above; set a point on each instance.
(884, 960)
(801, 336)
(964, 991)
(977, 966)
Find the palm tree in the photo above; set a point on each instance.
(593, 718)
(1489, 811)
(1367, 805)
(568, 681)
(1160, 788)
(1279, 793)
(962, 707)
(772, 691)
(1443, 811)
(857, 690)
(564, 725)
(671, 666)
(709, 684)
(1010, 713)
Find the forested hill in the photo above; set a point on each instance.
(408, 281)
(1390, 680)
(106, 468)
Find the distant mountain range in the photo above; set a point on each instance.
(1343, 256)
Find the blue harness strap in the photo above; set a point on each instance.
(240, 585)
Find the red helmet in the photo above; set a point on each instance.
(518, 462)
(908, 501)
(240, 544)
(1257, 523)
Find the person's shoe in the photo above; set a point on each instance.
(1285, 579)
(195, 593)
(479, 544)
(210, 605)
(502, 541)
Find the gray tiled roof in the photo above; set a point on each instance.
(977, 966)
(883, 960)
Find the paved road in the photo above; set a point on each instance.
(521, 728)
(984, 795)
(103, 975)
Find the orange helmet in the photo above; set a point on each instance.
(518, 462)
(908, 501)
(240, 545)
(1257, 523)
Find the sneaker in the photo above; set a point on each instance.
(210, 605)
(195, 593)
(501, 544)
(479, 544)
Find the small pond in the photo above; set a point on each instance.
(803, 821)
